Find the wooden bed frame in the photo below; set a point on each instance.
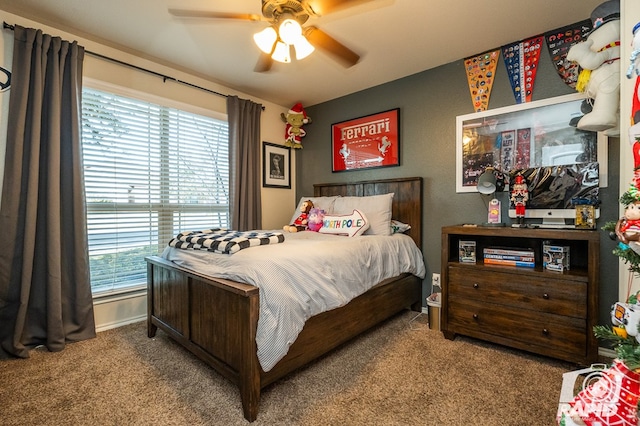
(216, 319)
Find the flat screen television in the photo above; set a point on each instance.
(554, 191)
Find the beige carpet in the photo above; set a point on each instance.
(396, 374)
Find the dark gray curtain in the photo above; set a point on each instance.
(45, 293)
(244, 159)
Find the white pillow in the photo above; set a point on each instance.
(377, 208)
(399, 227)
(353, 224)
(322, 203)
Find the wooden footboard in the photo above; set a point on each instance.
(216, 319)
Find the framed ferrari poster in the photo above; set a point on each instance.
(366, 142)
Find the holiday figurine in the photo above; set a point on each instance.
(628, 228)
(599, 58)
(519, 197)
(634, 130)
(295, 119)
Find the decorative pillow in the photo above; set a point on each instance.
(398, 227)
(353, 224)
(377, 208)
(322, 203)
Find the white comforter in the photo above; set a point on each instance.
(307, 274)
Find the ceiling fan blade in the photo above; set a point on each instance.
(322, 7)
(264, 63)
(187, 13)
(325, 42)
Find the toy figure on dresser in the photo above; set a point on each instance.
(302, 221)
(599, 58)
(519, 197)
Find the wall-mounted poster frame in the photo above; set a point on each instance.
(366, 142)
(533, 134)
(276, 166)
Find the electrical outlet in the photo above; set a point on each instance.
(435, 280)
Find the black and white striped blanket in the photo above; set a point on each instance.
(224, 241)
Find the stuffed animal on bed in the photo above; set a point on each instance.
(316, 216)
(302, 221)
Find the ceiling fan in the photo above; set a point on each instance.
(285, 31)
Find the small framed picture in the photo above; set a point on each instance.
(276, 166)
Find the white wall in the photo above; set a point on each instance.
(277, 204)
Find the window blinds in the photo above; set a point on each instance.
(150, 172)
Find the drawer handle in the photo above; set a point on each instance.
(475, 285)
(545, 331)
(475, 316)
(545, 296)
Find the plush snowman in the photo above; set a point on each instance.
(599, 58)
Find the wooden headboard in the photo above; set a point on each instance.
(407, 199)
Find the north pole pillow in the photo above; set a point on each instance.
(353, 224)
(376, 207)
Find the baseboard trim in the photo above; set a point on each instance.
(119, 310)
(606, 352)
(116, 324)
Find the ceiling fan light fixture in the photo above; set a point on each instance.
(290, 31)
(303, 48)
(281, 53)
(265, 39)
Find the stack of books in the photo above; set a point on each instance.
(509, 256)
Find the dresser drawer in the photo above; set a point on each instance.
(544, 292)
(550, 331)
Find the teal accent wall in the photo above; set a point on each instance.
(429, 103)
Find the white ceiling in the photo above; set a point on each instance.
(395, 38)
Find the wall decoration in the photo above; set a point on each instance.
(559, 42)
(521, 59)
(481, 71)
(276, 166)
(366, 142)
(295, 118)
(6, 84)
(532, 134)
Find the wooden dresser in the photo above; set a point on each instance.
(546, 312)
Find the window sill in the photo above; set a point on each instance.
(111, 296)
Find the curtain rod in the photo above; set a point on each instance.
(148, 71)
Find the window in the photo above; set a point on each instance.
(150, 171)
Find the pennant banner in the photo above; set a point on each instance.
(481, 71)
(521, 59)
(559, 42)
